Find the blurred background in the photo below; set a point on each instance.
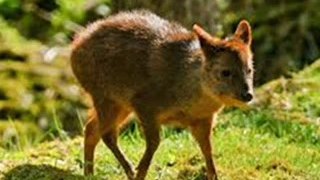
(40, 98)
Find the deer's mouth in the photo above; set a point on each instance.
(233, 102)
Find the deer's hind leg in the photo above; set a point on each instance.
(91, 139)
(151, 129)
(111, 117)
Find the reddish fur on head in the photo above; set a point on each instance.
(228, 56)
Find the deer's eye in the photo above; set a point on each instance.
(225, 73)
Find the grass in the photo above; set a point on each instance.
(240, 153)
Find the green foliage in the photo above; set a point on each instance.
(35, 87)
(51, 20)
(9, 8)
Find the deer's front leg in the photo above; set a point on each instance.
(202, 133)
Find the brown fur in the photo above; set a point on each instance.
(138, 62)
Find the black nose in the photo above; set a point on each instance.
(246, 97)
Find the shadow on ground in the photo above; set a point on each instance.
(40, 172)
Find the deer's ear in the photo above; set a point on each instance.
(203, 36)
(243, 32)
(209, 44)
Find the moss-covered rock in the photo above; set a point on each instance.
(296, 98)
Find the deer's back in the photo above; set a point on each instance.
(133, 52)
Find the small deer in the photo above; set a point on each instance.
(136, 62)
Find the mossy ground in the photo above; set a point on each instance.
(277, 139)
